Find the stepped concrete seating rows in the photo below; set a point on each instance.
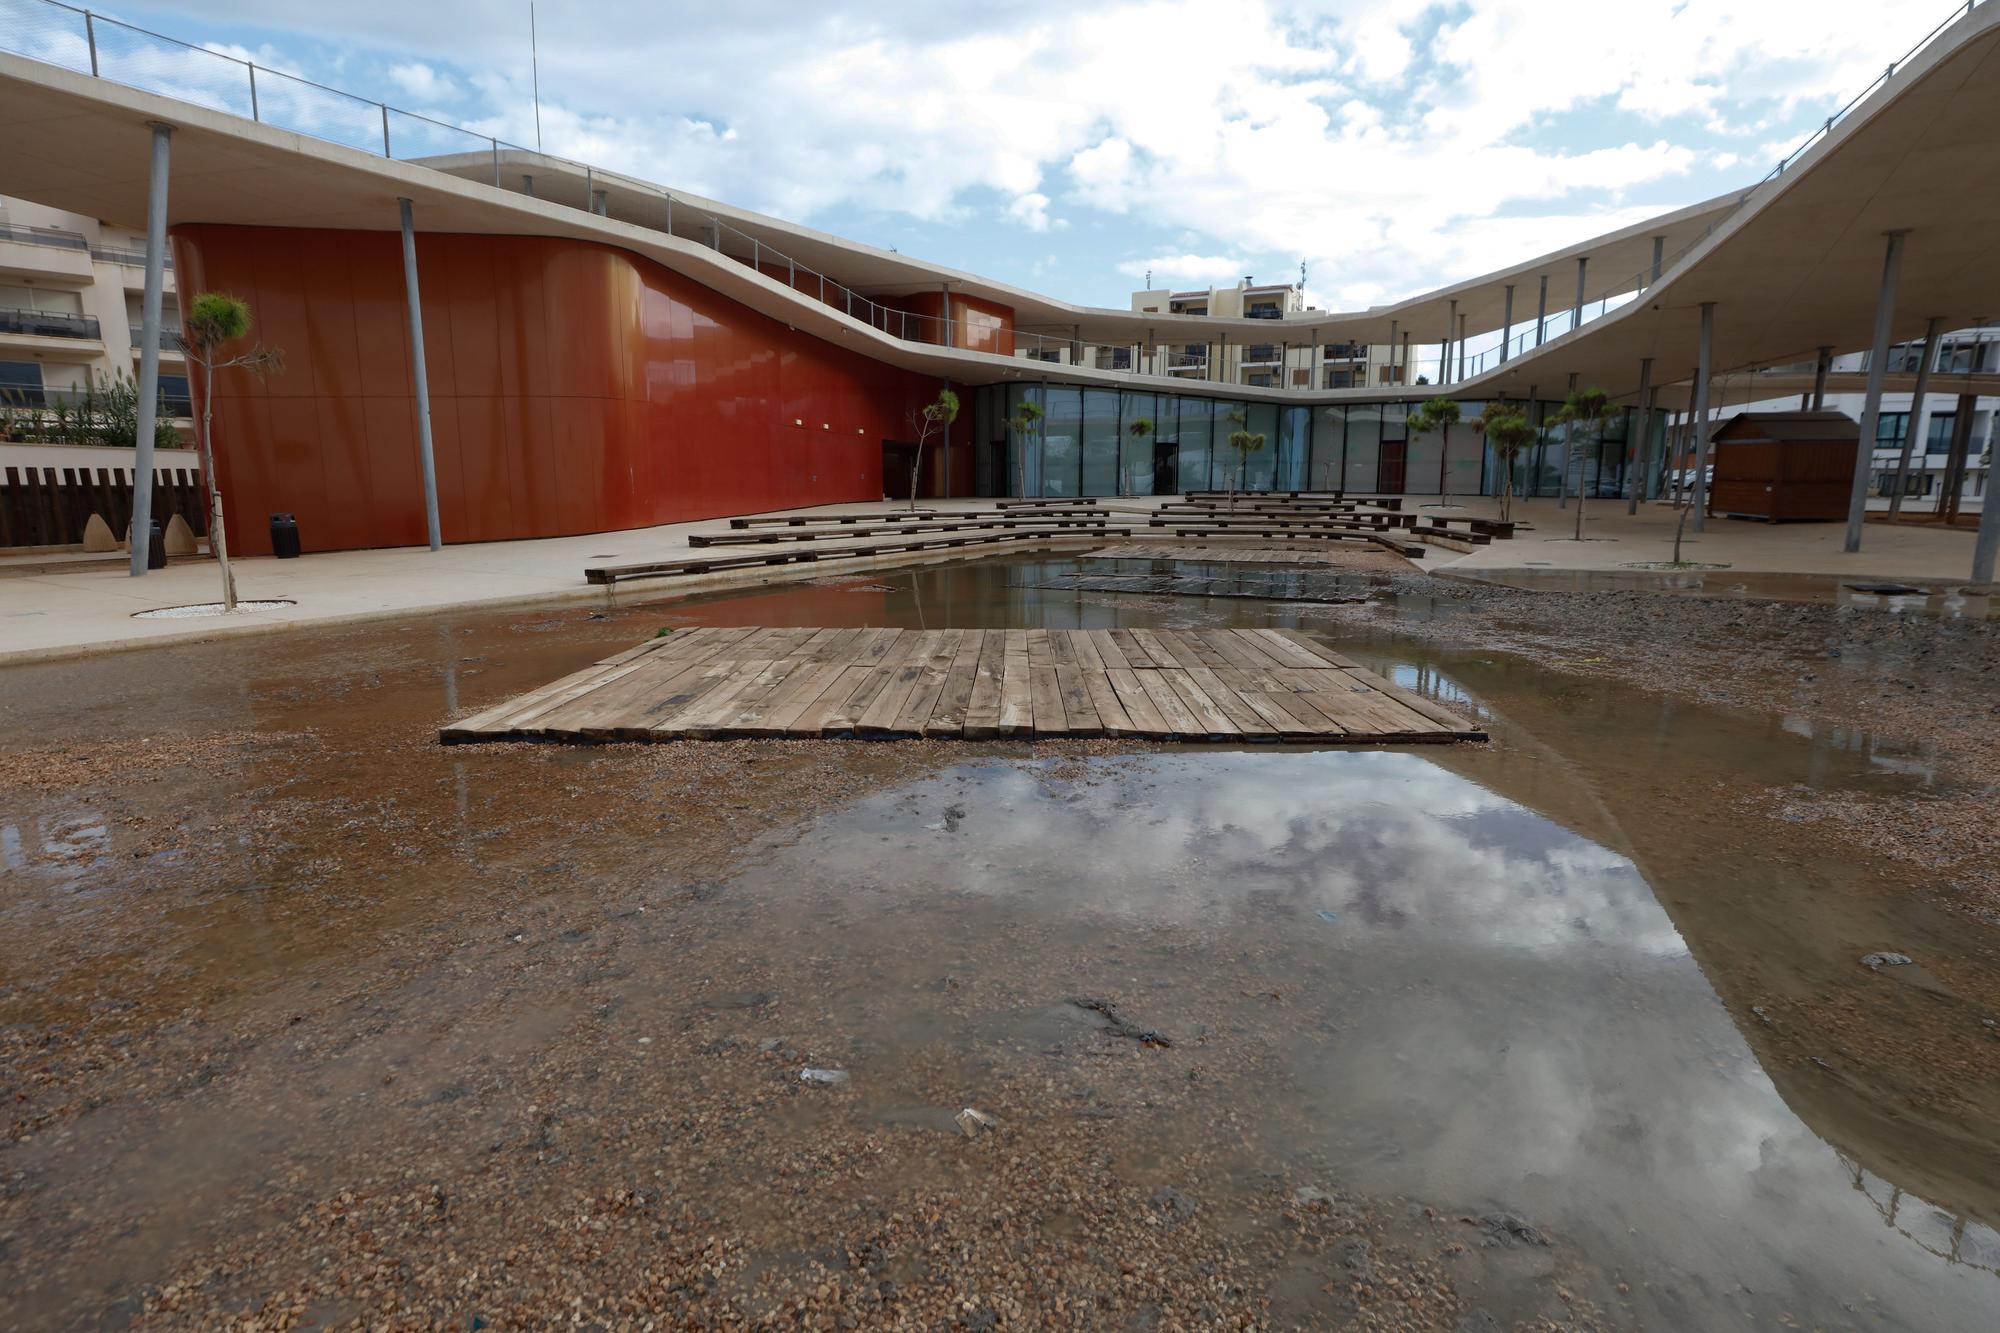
(1311, 519)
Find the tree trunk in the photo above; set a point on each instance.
(218, 541)
(917, 464)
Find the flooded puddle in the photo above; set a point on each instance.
(1552, 1025)
(1933, 597)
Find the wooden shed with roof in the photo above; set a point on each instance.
(1784, 467)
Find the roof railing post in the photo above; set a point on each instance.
(496, 164)
(90, 35)
(253, 91)
(589, 191)
(385, 130)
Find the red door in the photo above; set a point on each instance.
(1389, 466)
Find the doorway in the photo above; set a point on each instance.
(1166, 467)
(897, 460)
(1389, 469)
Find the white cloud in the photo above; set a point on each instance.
(420, 81)
(1204, 270)
(1392, 144)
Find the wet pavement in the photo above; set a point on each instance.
(308, 1016)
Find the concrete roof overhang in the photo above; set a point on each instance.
(1791, 265)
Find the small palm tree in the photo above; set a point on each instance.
(1505, 426)
(214, 319)
(936, 415)
(1022, 425)
(1439, 414)
(1245, 444)
(1139, 429)
(1593, 410)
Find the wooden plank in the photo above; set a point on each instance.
(982, 708)
(905, 673)
(1107, 649)
(1282, 647)
(702, 716)
(1061, 651)
(1179, 721)
(1045, 695)
(1111, 713)
(1017, 708)
(949, 714)
(1038, 649)
(1226, 698)
(1136, 656)
(785, 709)
(1215, 723)
(504, 717)
(1410, 699)
(934, 673)
(1084, 645)
(1078, 711)
(1140, 710)
(1317, 649)
(1150, 644)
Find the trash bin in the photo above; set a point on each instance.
(156, 546)
(284, 536)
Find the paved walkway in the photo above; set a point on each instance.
(60, 614)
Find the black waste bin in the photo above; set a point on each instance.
(156, 546)
(284, 536)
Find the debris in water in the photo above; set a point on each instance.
(1117, 1026)
(1881, 960)
(975, 1122)
(1331, 918)
(831, 1078)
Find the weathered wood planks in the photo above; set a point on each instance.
(1188, 685)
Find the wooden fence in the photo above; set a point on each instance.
(48, 506)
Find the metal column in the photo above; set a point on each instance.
(1702, 373)
(1444, 348)
(420, 376)
(149, 351)
(1820, 367)
(1871, 408)
(1542, 310)
(1576, 314)
(1460, 376)
(1916, 416)
(1659, 247)
(1987, 547)
(1642, 421)
(1392, 369)
(1507, 324)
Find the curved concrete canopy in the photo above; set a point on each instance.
(1793, 264)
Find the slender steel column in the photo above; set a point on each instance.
(1871, 408)
(420, 376)
(1702, 372)
(1954, 467)
(1460, 376)
(1820, 367)
(1916, 416)
(1576, 314)
(1659, 248)
(1444, 348)
(149, 351)
(1642, 424)
(1392, 369)
(1569, 456)
(1507, 325)
(1542, 311)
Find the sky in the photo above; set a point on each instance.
(1388, 146)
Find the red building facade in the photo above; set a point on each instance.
(574, 388)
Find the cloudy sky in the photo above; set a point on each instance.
(1389, 145)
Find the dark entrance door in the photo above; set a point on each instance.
(1166, 467)
(1389, 470)
(897, 460)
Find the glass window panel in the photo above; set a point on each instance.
(1364, 445)
(1196, 432)
(1141, 451)
(1295, 449)
(1062, 442)
(1100, 442)
(1329, 448)
(1259, 471)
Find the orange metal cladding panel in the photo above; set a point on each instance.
(574, 388)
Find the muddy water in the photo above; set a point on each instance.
(1562, 980)
(1936, 597)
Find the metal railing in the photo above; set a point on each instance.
(54, 237)
(112, 254)
(49, 324)
(170, 339)
(86, 42)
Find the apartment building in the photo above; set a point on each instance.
(70, 294)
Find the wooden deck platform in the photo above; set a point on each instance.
(1190, 685)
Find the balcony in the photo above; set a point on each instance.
(1346, 352)
(1114, 358)
(45, 252)
(1263, 312)
(1262, 354)
(170, 341)
(1180, 361)
(50, 324)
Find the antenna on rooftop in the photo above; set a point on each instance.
(535, 65)
(1302, 277)
(1149, 280)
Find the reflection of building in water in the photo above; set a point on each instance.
(1931, 1228)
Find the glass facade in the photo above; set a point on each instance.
(1084, 445)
